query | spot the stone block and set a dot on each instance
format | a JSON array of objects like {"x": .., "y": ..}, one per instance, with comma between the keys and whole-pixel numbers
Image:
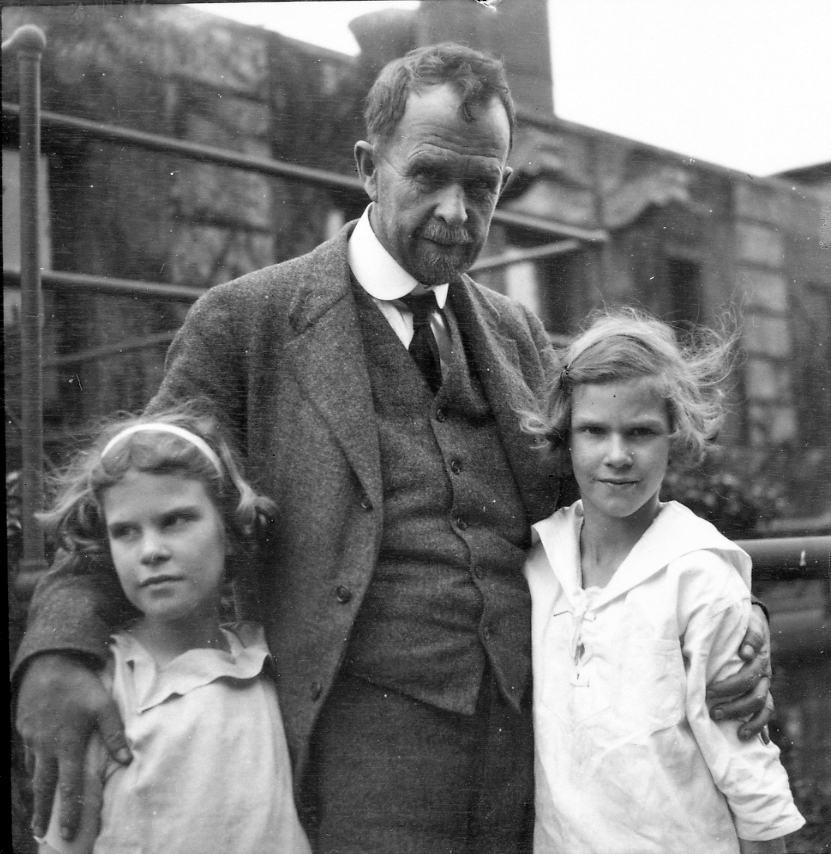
[
  {"x": 755, "y": 202},
  {"x": 204, "y": 192},
  {"x": 766, "y": 380},
  {"x": 771, "y": 424},
  {"x": 523, "y": 286},
  {"x": 759, "y": 244},
  {"x": 767, "y": 336},
  {"x": 764, "y": 290}
]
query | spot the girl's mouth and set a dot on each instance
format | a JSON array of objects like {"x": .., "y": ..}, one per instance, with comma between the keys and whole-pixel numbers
[{"x": 159, "y": 579}]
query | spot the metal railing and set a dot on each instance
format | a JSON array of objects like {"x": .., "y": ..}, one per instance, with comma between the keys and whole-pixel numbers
[
  {"x": 29, "y": 42},
  {"x": 779, "y": 559}
]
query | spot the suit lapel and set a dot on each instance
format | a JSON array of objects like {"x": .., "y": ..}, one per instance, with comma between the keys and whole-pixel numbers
[
  {"x": 497, "y": 362},
  {"x": 328, "y": 361}
]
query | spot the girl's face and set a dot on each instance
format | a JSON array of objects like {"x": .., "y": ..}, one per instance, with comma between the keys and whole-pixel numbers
[
  {"x": 620, "y": 448},
  {"x": 168, "y": 544}
]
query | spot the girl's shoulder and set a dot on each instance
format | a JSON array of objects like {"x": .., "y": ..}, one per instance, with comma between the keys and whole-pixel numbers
[
  {"x": 560, "y": 521},
  {"x": 696, "y": 548},
  {"x": 248, "y": 633}
]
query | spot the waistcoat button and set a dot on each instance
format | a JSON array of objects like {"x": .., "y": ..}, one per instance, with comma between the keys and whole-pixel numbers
[
  {"x": 365, "y": 502},
  {"x": 315, "y": 690},
  {"x": 343, "y": 594},
  {"x": 456, "y": 466}
]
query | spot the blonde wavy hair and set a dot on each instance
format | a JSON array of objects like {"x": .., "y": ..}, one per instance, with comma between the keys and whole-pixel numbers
[{"x": 627, "y": 343}]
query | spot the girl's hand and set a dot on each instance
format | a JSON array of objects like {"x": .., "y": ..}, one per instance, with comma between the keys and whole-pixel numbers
[
  {"x": 60, "y": 703},
  {"x": 746, "y": 694},
  {"x": 769, "y": 846}
]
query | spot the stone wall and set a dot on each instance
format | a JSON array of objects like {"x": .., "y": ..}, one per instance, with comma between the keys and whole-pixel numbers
[{"x": 122, "y": 211}]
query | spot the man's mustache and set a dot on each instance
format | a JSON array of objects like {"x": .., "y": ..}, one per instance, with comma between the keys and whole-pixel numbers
[{"x": 447, "y": 234}]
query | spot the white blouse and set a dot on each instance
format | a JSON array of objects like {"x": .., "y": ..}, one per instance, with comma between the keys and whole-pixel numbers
[{"x": 627, "y": 757}]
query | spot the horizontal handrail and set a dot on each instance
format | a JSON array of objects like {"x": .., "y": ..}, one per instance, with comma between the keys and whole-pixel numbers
[
  {"x": 789, "y": 558},
  {"x": 518, "y": 256},
  {"x": 170, "y": 145},
  {"x": 281, "y": 169},
  {"x": 61, "y": 280}
]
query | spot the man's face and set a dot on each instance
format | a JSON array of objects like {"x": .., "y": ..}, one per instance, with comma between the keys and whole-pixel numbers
[{"x": 436, "y": 181}]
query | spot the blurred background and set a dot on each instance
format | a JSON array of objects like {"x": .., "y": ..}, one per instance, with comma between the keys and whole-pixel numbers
[{"x": 673, "y": 156}]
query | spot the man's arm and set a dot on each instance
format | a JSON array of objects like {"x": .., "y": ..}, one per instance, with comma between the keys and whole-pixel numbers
[
  {"x": 90, "y": 825},
  {"x": 61, "y": 700},
  {"x": 61, "y": 704},
  {"x": 746, "y": 694}
]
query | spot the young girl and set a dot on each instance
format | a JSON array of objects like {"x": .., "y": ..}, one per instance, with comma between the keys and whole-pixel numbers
[
  {"x": 161, "y": 504},
  {"x": 636, "y": 606}
]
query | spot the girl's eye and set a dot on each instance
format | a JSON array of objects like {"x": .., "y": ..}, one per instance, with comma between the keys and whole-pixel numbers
[
  {"x": 640, "y": 432},
  {"x": 178, "y": 520},
  {"x": 123, "y": 533}
]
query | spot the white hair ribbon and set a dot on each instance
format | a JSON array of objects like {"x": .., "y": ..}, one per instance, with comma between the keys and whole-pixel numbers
[{"x": 162, "y": 427}]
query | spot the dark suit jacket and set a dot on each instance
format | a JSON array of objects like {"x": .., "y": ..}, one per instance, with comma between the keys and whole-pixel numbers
[{"x": 279, "y": 353}]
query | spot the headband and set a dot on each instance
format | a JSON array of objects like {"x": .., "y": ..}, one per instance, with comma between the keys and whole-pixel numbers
[{"x": 161, "y": 427}]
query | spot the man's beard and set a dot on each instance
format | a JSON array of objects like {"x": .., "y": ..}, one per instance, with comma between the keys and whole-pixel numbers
[{"x": 435, "y": 267}]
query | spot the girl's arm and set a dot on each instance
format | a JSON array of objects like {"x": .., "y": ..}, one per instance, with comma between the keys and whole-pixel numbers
[
  {"x": 92, "y": 799},
  {"x": 713, "y": 613}
]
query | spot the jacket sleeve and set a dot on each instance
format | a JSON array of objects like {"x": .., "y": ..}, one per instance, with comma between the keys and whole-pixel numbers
[
  {"x": 716, "y": 605},
  {"x": 205, "y": 362},
  {"x": 74, "y": 609}
]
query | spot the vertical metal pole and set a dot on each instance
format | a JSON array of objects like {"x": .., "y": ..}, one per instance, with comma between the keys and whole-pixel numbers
[{"x": 30, "y": 43}]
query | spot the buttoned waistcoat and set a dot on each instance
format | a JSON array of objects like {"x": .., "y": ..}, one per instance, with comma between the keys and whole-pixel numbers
[{"x": 279, "y": 354}]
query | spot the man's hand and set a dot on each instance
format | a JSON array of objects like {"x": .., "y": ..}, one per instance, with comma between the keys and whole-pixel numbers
[
  {"x": 747, "y": 693},
  {"x": 60, "y": 703}
]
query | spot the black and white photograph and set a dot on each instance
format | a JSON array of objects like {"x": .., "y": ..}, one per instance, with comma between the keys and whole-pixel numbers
[{"x": 417, "y": 426}]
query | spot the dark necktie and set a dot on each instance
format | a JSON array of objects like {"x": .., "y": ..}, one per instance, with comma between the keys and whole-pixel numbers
[{"x": 423, "y": 348}]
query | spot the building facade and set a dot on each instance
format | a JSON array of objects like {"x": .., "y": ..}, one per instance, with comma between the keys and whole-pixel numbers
[{"x": 629, "y": 223}]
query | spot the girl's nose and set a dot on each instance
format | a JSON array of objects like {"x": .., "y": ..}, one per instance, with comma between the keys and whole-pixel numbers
[
  {"x": 618, "y": 453},
  {"x": 451, "y": 207},
  {"x": 153, "y": 549}
]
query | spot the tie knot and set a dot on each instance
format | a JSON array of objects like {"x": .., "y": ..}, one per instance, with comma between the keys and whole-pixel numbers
[{"x": 421, "y": 305}]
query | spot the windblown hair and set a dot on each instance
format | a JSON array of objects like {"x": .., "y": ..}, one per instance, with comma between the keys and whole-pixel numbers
[
  {"x": 624, "y": 344},
  {"x": 476, "y": 76},
  {"x": 76, "y": 519}
]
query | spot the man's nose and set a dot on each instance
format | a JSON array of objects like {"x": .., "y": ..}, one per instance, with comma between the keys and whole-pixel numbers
[{"x": 452, "y": 207}]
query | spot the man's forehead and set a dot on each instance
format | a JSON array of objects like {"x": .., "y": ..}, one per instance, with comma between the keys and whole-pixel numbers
[
  {"x": 437, "y": 157},
  {"x": 445, "y": 98},
  {"x": 436, "y": 119}
]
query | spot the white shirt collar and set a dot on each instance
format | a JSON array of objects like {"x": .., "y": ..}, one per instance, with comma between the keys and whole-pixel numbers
[{"x": 377, "y": 272}]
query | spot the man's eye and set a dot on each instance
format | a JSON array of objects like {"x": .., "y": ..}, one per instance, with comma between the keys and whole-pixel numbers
[
  {"x": 427, "y": 178},
  {"x": 482, "y": 188}
]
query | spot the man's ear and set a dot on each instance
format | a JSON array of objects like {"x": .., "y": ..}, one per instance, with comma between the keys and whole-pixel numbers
[
  {"x": 506, "y": 176},
  {"x": 366, "y": 166}
]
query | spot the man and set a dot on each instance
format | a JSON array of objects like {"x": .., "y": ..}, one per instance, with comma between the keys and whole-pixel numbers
[{"x": 392, "y": 597}]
